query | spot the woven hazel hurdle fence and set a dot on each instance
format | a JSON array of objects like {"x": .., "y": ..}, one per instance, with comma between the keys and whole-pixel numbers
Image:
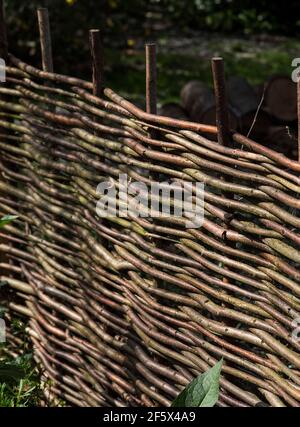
[{"x": 126, "y": 311}]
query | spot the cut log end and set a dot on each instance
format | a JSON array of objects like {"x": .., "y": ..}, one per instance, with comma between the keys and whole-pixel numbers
[
  {"x": 281, "y": 98},
  {"x": 174, "y": 110}
]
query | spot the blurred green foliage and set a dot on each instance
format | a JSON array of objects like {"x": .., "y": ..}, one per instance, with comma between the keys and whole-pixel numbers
[
  {"x": 120, "y": 19},
  {"x": 19, "y": 382}
]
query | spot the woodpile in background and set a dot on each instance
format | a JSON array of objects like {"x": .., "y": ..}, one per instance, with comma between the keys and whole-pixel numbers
[
  {"x": 266, "y": 113},
  {"x": 127, "y": 310}
]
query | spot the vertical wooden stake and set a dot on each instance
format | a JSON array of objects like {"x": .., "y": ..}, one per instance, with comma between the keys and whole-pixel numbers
[
  {"x": 3, "y": 46},
  {"x": 45, "y": 39},
  {"x": 98, "y": 62},
  {"x": 151, "y": 90},
  {"x": 4, "y": 257},
  {"x": 3, "y": 35},
  {"x": 222, "y": 117},
  {"x": 298, "y": 107}
]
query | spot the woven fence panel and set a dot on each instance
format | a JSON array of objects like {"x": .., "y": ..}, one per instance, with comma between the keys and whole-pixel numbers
[{"x": 125, "y": 311}]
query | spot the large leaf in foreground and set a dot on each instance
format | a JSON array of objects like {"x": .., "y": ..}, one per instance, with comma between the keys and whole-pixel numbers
[{"x": 203, "y": 391}]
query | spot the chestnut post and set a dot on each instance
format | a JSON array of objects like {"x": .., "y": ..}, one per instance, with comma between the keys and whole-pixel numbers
[
  {"x": 151, "y": 83},
  {"x": 151, "y": 90},
  {"x": 45, "y": 39},
  {"x": 298, "y": 112},
  {"x": 4, "y": 258},
  {"x": 222, "y": 120},
  {"x": 222, "y": 117},
  {"x": 3, "y": 47},
  {"x": 97, "y": 61}
]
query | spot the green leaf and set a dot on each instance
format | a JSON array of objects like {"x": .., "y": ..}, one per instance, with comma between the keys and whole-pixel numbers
[
  {"x": 3, "y": 283},
  {"x": 203, "y": 391},
  {"x": 194, "y": 391},
  {"x": 211, "y": 385},
  {"x": 21, "y": 360},
  {"x": 7, "y": 219}
]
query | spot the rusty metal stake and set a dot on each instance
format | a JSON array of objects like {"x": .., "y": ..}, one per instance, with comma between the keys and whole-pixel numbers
[
  {"x": 222, "y": 117},
  {"x": 97, "y": 58},
  {"x": 45, "y": 39},
  {"x": 151, "y": 91}
]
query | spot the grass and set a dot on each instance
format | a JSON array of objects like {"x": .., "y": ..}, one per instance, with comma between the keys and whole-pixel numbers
[
  {"x": 19, "y": 382},
  {"x": 19, "y": 379}
]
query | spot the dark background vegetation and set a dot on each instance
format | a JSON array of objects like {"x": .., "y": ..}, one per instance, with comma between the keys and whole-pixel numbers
[
  {"x": 256, "y": 38},
  {"x": 139, "y": 17}
]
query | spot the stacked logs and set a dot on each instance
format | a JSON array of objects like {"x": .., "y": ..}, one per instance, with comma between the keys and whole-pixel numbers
[
  {"x": 267, "y": 113},
  {"x": 125, "y": 311}
]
